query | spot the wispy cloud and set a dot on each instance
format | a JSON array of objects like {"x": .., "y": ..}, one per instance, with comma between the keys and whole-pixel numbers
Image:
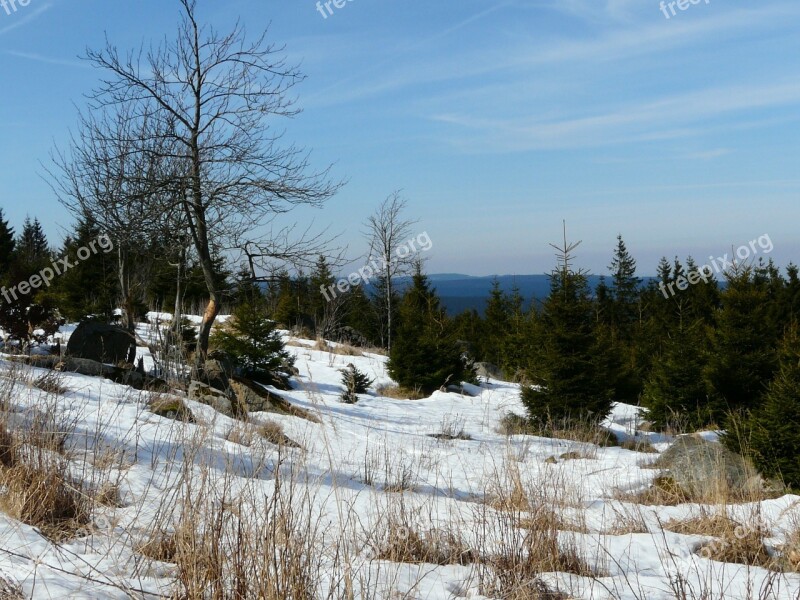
[
  {"x": 48, "y": 60},
  {"x": 21, "y": 19},
  {"x": 503, "y": 58},
  {"x": 667, "y": 118}
]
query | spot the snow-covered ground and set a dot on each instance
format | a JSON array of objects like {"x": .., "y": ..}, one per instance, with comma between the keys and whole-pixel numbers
[{"x": 363, "y": 467}]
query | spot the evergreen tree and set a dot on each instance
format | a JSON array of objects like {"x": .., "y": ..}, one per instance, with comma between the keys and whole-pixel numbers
[
  {"x": 743, "y": 356},
  {"x": 625, "y": 291},
  {"x": 519, "y": 345},
  {"x": 497, "y": 325},
  {"x": 677, "y": 393},
  {"x": 775, "y": 437},
  {"x": 90, "y": 287},
  {"x": 564, "y": 380},
  {"x": 360, "y": 314},
  {"x": 32, "y": 250},
  {"x": 425, "y": 353},
  {"x": 616, "y": 350},
  {"x": 7, "y": 245},
  {"x": 321, "y": 299},
  {"x": 254, "y": 343}
]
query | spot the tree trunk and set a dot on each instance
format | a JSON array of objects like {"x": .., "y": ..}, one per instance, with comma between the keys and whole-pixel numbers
[{"x": 204, "y": 332}]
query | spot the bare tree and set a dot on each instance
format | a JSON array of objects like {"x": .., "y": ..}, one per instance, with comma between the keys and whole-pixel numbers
[
  {"x": 109, "y": 176},
  {"x": 212, "y": 96},
  {"x": 386, "y": 232}
]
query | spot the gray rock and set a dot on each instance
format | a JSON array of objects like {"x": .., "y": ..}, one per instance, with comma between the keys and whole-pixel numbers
[
  {"x": 102, "y": 342},
  {"x": 488, "y": 370},
  {"x": 252, "y": 397},
  {"x": 704, "y": 469},
  {"x": 216, "y": 399},
  {"x": 216, "y": 374}
]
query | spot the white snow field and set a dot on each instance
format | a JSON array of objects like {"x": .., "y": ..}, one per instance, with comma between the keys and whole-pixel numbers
[{"x": 195, "y": 508}]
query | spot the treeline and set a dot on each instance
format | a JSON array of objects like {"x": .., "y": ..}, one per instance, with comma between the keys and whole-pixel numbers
[
  {"x": 709, "y": 355},
  {"x": 135, "y": 279}
]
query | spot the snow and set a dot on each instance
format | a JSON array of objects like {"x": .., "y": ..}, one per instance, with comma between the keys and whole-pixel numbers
[{"x": 347, "y": 461}]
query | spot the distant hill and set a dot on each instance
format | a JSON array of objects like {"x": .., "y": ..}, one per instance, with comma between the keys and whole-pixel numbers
[{"x": 464, "y": 292}]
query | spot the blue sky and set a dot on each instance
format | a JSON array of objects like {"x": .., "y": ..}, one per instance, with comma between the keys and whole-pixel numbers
[{"x": 496, "y": 119}]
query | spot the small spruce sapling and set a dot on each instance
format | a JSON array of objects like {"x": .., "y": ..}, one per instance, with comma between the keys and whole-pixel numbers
[{"x": 355, "y": 382}]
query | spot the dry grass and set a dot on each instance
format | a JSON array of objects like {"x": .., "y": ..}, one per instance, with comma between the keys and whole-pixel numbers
[
  {"x": 242, "y": 543},
  {"x": 453, "y": 428},
  {"x": 43, "y": 496},
  {"x": 162, "y": 547},
  {"x": 38, "y": 486},
  {"x": 514, "y": 424},
  {"x": 398, "y": 392},
  {"x": 736, "y": 542},
  {"x": 336, "y": 348},
  {"x": 638, "y": 445},
  {"x": 664, "y": 491},
  {"x": 170, "y": 407},
  {"x": 520, "y": 541},
  {"x": 274, "y": 434},
  {"x": 10, "y": 589},
  {"x": 403, "y": 540},
  {"x": 51, "y": 382}
]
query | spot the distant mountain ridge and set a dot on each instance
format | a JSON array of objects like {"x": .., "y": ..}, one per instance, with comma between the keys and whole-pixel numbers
[{"x": 466, "y": 292}]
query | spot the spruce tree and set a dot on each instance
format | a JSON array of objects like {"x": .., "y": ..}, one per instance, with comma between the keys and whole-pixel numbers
[
  {"x": 320, "y": 297},
  {"x": 565, "y": 379},
  {"x": 497, "y": 322},
  {"x": 7, "y": 244},
  {"x": 775, "y": 437},
  {"x": 677, "y": 393},
  {"x": 625, "y": 291},
  {"x": 90, "y": 287},
  {"x": 254, "y": 343},
  {"x": 520, "y": 341},
  {"x": 360, "y": 314},
  {"x": 425, "y": 353},
  {"x": 743, "y": 357},
  {"x": 32, "y": 250}
]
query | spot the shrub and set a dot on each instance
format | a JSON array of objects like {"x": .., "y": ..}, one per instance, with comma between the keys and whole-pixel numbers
[
  {"x": 774, "y": 436},
  {"x": 254, "y": 343},
  {"x": 355, "y": 382},
  {"x": 425, "y": 353}
]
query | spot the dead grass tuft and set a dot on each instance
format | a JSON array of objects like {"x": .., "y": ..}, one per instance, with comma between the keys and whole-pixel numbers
[
  {"x": 10, "y": 589},
  {"x": 43, "y": 496},
  {"x": 664, "y": 491},
  {"x": 337, "y": 348},
  {"x": 273, "y": 433},
  {"x": 397, "y": 392},
  {"x": 170, "y": 407},
  {"x": 51, "y": 382},
  {"x": 638, "y": 445}
]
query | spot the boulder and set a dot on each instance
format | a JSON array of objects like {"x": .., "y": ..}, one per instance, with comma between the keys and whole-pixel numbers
[
  {"x": 102, "y": 342},
  {"x": 216, "y": 399},
  {"x": 488, "y": 370},
  {"x": 218, "y": 370},
  {"x": 351, "y": 336},
  {"x": 704, "y": 469},
  {"x": 253, "y": 397}
]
